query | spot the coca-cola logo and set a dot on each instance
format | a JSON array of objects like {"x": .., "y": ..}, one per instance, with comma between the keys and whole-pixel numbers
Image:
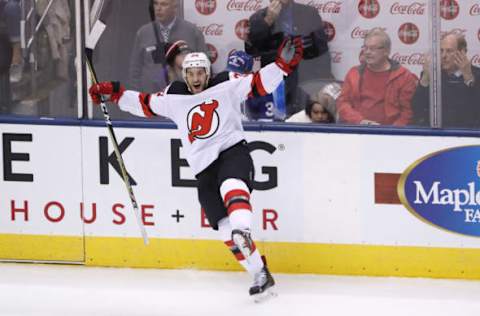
[
  {"x": 476, "y": 60},
  {"x": 358, "y": 33},
  {"x": 329, "y": 29},
  {"x": 369, "y": 8},
  {"x": 413, "y": 59},
  {"x": 336, "y": 57},
  {"x": 242, "y": 28},
  {"x": 213, "y": 29},
  {"x": 408, "y": 33},
  {"x": 449, "y": 9},
  {"x": 244, "y": 5},
  {"x": 329, "y": 7},
  {"x": 456, "y": 31},
  {"x": 475, "y": 9},
  {"x": 206, "y": 7},
  {"x": 212, "y": 53},
  {"x": 415, "y": 8}
]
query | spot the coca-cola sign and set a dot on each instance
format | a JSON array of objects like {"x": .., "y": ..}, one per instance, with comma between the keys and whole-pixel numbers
[
  {"x": 408, "y": 33},
  {"x": 329, "y": 29},
  {"x": 336, "y": 57},
  {"x": 212, "y": 53},
  {"x": 359, "y": 33},
  {"x": 475, "y": 9},
  {"x": 244, "y": 5},
  {"x": 205, "y": 7},
  {"x": 329, "y": 7},
  {"x": 476, "y": 60},
  {"x": 413, "y": 59},
  {"x": 415, "y": 8},
  {"x": 457, "y": 31},
  {"x": 369, "y": 8},
  {"x": 242, "y": 28},
  {"x": 449, "y": 9},
  {"x": 213, "y": 29}
]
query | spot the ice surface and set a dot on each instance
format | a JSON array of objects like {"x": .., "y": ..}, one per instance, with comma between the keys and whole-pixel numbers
[{"x": 49, "y": 289}]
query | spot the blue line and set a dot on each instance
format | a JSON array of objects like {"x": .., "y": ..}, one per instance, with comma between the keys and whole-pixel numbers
[{"x": 251, "y": 126}]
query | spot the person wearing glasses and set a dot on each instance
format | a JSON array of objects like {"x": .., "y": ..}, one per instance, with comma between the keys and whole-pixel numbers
[
  {"x": 379, "y": 90},
  {"x": 460, "y": 86}
]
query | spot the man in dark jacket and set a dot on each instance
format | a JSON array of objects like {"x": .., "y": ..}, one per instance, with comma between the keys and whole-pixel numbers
[
  {"x": 282, "y": 18},
  {"x": 460, "y": 87}
]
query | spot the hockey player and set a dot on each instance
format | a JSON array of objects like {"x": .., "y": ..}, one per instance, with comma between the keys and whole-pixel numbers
[{"x": 208, "y": 116}]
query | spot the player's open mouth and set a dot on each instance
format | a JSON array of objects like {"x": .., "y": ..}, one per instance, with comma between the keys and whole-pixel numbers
[{"x": 197, "y": 85}]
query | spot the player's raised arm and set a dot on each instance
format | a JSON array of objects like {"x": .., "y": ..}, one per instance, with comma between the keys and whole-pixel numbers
[
  {"x": 266, "y": 80},
  {"x": 136, "y": 103}
]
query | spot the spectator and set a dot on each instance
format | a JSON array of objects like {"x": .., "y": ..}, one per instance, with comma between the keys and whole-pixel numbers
[
  {"x": 282, "y": 18},
  {"x": 320, "y": 110},
  {"x": 174, "y": 55},
  {"x": 378, "y": 91},
  {"x": 460, "y": 87},
  {"x": 10, "y": 51},
  {"x": 147, "y": 61}
]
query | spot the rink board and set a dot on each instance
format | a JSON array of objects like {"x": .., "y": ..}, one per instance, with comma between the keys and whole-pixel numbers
[{"x": 319, "y": 206}]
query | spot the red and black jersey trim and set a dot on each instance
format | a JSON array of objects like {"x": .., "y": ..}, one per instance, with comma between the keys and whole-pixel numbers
[
  {"x": 258, "y": 90},
  {"x": 234, "y": 249},
  {"x": 145, "y": 102}
]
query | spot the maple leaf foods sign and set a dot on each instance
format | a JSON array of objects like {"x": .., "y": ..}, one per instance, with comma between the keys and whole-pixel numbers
[{"x": 443, "y": 189}]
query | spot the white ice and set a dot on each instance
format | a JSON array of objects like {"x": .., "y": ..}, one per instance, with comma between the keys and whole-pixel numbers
[{"x": 51, "y": 290}]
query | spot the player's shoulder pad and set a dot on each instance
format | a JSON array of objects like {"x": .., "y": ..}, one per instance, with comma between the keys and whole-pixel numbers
[{"x": 177, "y": 87}]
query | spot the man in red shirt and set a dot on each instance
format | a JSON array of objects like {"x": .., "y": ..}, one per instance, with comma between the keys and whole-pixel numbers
[{"x": 379, "y": 91}]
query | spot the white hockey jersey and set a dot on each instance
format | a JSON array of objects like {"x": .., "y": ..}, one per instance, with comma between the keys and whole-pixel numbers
[{"x": 209, "y": 122}]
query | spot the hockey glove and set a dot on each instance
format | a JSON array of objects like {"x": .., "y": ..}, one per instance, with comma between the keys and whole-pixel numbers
[
  {"x": 110, "y": 90},
  {"x": 289, "y": 54}
]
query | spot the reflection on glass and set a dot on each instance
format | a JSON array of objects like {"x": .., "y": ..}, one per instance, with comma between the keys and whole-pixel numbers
[{"x": 42, "y": 76}]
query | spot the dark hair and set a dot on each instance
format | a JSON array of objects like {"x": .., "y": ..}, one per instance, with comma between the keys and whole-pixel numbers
[
  {"x": 309, "y": 107},
  {"x": 151, "y": 11}
]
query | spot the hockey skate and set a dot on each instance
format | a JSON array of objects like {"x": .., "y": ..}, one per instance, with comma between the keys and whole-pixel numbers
[
  {"x": 263, "y": 282},
  {"x": 244, "y": 242}
]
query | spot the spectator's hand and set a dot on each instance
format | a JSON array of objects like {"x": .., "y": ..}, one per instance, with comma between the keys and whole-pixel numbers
[
  {"x": 110, "y": 91},
  {"x": 462, "y": 62},
  {"x": 425, "y": 79},
  {"x": 273, "y": 11},
  {"x": 289, "y": 54},
  {"x": 369, "y": 122}
]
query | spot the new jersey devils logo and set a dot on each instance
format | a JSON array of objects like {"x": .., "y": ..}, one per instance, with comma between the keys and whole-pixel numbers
[{"x": 202, "y": 120}]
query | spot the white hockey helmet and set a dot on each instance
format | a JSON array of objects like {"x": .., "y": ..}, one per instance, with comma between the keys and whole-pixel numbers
[{"x": 197, "y": 59}]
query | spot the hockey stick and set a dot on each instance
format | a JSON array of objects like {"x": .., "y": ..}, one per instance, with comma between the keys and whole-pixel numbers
[{"x": 95, "y": 34}]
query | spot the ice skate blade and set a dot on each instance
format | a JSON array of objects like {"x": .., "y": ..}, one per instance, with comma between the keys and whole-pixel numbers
[{"x": 264, "y": 296}]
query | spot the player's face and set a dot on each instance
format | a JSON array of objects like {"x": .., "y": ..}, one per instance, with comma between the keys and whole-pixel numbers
[
  {"x": 196, "y": 79},
  {"x": 164, "y": 10}
]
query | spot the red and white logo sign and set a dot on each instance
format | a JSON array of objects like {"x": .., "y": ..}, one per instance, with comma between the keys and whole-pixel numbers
[
  {"x": 449, "y": 9},
  {"x": 408, "y": 33},
  {"x": 358, "y": 33},
  {"x": 475, "y": 9},
  {"x": 203, "y": 120},
  {"x": 476, "y": 60},
  {"x": 212, "y": 53},
  {"x": 414, "y": 59},
  {"x": 369, "y": 8},
  {"x": 206, "y": 7},
  {"x": 336, "y": 57},
  {"x": 329, "y": 7},
  {"x": 329, "y": 29},
  {"x": 415, "y": 8},
  {"x": 242, "y": 28},
  {"x": 213, "y": 29},
  {"x": 244, "y": 5}
]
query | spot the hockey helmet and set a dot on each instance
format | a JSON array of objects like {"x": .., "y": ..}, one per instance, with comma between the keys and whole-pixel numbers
[{"x": 197, "y": 59}]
